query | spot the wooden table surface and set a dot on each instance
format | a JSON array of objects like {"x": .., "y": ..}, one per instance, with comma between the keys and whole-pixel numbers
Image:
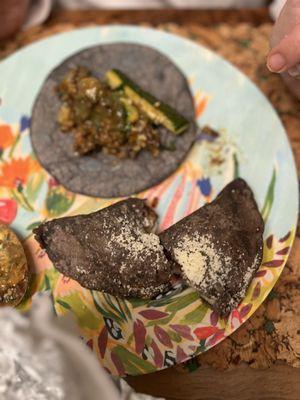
[
  {"x": 262, "y": 359},
  {"x": 156, "y": 17}
]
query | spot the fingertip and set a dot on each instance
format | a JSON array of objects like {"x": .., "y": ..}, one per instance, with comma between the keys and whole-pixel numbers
[{"x": 276, "y": 62}]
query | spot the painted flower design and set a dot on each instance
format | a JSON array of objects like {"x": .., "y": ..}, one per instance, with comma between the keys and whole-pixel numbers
[
  {"x": 113, "y": 328},
  {"x": 6, "y": 137},
  {"x": 204, "y": 186},
  {"x": 8, "y": 210},
  {"x": 58, "y": 200},
  {"x": 170, "y": 359},
  {"x": 24, "y": 123},
  {"x": 201, "y": 100},
  {"x": 14, "y": 175}
]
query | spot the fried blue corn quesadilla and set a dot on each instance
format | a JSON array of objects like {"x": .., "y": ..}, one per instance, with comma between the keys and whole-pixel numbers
[
  {"x": 112, "y": 250},
  {"x": 216, "y": 250},
  {"x": 220, "y": 246}
]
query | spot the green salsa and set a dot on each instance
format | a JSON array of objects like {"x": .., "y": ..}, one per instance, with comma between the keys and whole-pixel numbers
[{"x": 102, "y": 119}]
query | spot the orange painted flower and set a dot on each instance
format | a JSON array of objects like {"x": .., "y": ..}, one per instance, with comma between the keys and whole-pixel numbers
[
  {"x": 17, "y": 171},
  {"x": 201, "y": 101},
  {"x": 201, "y": 105},
  {"x": 6, "y": 136}
]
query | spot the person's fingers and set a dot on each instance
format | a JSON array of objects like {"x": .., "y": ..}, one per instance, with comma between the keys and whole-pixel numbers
[
  {"x": 292, "y": 83},
  {"x": 294, "y": 72},
  {"x": 287, "y": 53},
  {"x": 287, "y": 20},
  {"x": 12, "y": 15}
]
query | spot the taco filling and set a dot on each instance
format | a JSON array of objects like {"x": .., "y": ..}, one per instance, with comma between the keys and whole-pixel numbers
[{"x": 109, "y": 118}]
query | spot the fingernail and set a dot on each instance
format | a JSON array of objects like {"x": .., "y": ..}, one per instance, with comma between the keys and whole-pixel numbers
[{"x": 276, "y": 63}]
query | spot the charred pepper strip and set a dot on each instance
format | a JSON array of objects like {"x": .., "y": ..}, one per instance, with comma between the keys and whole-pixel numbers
[{"x": 157, "y": 111}]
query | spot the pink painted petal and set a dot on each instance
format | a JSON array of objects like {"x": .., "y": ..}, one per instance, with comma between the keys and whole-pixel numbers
[
  {"x": 183, "y": 330},
  {"x": 139, "y": 332},
  {"x": 180, "y": 355},
  {"x": 214, "y": 317},
  {"x": 102, "y": 341},
  {"x": 285, "y": 238},
  {"x": 261, "y": 273},
  {"x": 256, "y": 291},
  {"x": 283, "y": 252},
  {"x": 169, "y": 216},
  {"x": 273, "y": 263},
  {"x": 162, "y": 336},
  {"x": 245, "y": 310},
  {"x": 269, "y": 241},
  {"x": 158, "y": 357},
  {"x": 153, "y": 314}
]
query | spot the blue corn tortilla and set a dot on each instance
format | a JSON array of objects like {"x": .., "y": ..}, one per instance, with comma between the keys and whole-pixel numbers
[{"x": 99, "y": 174}]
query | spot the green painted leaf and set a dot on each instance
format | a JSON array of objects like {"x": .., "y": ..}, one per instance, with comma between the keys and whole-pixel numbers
[
  {"x": 33, "y": 225},
  {"x": 201, "y": 347},
  {"x": 236, "y": 166},
  {"x": 138, "y": 302},
  {"x": 58, "y": 202},
  {"x": 194, "y": 316},
  {"x": 165, "y": 300},
  {"x": 53, "y": 276},
  {"x": 121, "y": 308},
  {"x": 183, "y": 301},
  {"x": 86, "y": 318},
  {"x": 148, "y": 340},
  {"x": 47, "y": 285},
  {"x": 126, "y": 308},
  {"x": 13, "y": 147},
  {"x": 130, "y": 339},
  {"x": 106, "y": 313},
  {"x": 49, "y": 280},
  {"x": 110, "y": 300},
  {"x": 33, "y": 186},
  {"x": 133, "y": 365},
  {"x": 64, "y": 304},
  {"x": 269, "y": 197},
  {"x": 174, "y": 336},
  {"x": 20, "y": 198},
  {"x": 160, "y": 302}
]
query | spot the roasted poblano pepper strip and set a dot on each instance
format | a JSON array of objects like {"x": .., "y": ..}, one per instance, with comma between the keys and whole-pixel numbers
[{"x": 157, "y": 111}]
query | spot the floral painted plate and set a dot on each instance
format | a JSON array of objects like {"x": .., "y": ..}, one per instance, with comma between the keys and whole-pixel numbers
[{"x": 136, "y": 337}]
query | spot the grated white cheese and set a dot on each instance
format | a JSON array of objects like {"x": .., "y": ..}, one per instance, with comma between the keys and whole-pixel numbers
[
  {"x": 135, "y": 243},
  {"x": 195, "y": 255}
]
